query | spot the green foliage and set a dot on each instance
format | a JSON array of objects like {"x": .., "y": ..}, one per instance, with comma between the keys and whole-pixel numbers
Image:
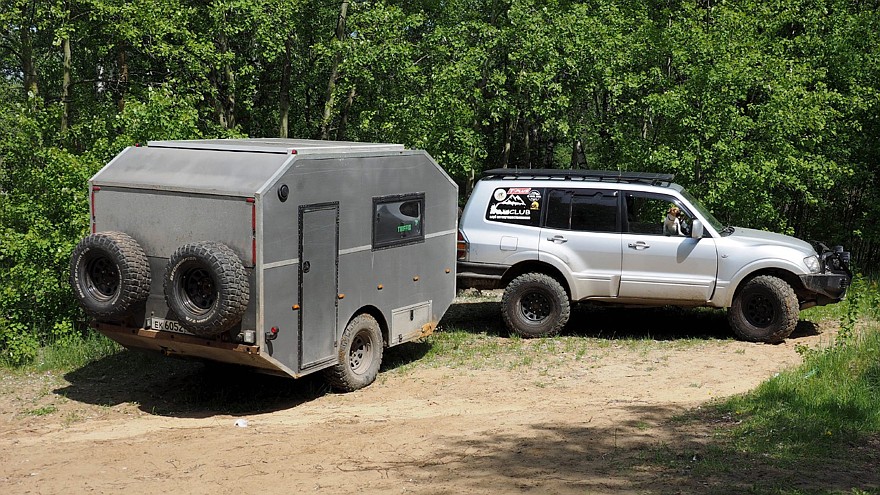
[
  {"x": 769, "y": 111},
  {"x": 44, "y": 213}
]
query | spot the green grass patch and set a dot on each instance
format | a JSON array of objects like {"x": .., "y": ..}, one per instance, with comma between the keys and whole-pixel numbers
[
  {"x": 812, "y": 429},
  {"x": 68, "y": 354},
  {"x": 43, "y": 411},
  {"x": 832, "y": 399}
]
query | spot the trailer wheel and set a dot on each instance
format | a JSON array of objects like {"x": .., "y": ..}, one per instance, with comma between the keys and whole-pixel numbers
[
  {"x": 206, "y": 287},
  {"x": 535, "y": 305},
  {"x": 360, "y": 355},
  {"x": 109, "y": 273},
  {"x": 765, "y": 310}
]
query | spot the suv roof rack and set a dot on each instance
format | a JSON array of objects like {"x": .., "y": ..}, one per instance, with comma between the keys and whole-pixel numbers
[{"x": 576, "y": 174}]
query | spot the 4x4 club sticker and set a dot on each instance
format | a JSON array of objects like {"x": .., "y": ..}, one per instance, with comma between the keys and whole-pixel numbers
[{"x": 515, "y": 203}]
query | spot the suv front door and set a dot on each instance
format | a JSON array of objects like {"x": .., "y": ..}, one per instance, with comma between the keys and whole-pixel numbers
[
  {"x": 581, "y": 230},
  {"x": 659, "y": 266}
]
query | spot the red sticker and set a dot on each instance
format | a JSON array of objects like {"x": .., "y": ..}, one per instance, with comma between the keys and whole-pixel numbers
[{"x": 519, "y": 190}]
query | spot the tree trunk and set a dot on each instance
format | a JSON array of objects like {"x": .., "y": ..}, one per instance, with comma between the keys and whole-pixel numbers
[
  {"x": 334, "y": 72},
  {"x": 122, "y": 82},
  {"x": 230, "y": 95},
  {"x": 509, "y": 128},
  {"x": 65, "y": 86},
  {"x": 343, "y": 120},
  {"x": 577, "y": 154},
  {"x": 225, "y": 86},
  {"x": 28, "y": 65},
  {"x": 284, "y": 93}
]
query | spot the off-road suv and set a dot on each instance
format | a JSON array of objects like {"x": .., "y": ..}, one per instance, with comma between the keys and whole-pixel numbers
[{"x": 550, "y": 237}]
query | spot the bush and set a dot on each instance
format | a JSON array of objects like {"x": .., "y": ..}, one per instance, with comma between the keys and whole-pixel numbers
[{"x": 44, "y": 210}]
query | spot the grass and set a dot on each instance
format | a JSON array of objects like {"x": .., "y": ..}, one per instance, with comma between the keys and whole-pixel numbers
[
  {"x": 69, "y": 354},
  {"x": 832, "y": 399}
]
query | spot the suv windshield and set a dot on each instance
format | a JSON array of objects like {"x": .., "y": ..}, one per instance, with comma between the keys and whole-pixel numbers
[{"x": 703, "y": 211}]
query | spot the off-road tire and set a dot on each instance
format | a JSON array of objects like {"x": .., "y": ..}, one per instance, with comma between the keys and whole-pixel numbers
[
  {"x": 764, "y": 310},
  {"x": 360, "y": 355},
  {"x": 109, "y": 274},
  {"x": 535, "y": 305},
  {"x": 206, "y": 287}
]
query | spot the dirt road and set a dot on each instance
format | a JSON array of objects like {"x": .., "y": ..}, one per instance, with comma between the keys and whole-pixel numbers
[{"x": 576, "y": 423}]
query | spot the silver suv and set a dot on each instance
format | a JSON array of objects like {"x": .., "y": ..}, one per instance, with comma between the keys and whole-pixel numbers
[{"x": 549, "y": 237}]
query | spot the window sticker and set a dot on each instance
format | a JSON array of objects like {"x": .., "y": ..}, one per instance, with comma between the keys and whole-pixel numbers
[{"x": 521, "y": 205}]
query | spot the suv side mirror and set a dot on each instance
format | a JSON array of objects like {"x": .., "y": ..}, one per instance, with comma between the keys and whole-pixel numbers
[{"x": 697, "y": 229}]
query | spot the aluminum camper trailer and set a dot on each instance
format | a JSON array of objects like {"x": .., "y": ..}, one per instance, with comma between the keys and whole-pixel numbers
[{"x": 290, "y": 256}]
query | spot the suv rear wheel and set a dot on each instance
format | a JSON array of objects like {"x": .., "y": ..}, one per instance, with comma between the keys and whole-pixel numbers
[{"x": 535, "y": 305}]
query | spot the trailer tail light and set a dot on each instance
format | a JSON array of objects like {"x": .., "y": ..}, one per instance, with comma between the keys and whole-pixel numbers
[
  {"x": 462, "y": 246},
  {"x": 253, "y": 203},
  {"x": 94, "y": 223},
  {"x": 272, "y": 334}
]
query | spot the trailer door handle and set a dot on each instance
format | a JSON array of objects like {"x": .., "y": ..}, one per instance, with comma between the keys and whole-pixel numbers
[
  {"x": 306, "y": 266},
  {"x": 557, "y": 238},
  {"x": 639, "y": 246}
]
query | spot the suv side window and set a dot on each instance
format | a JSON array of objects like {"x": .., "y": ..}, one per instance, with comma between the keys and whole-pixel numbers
[
  {"x": 646, "y": 213},
  {"x": 587, "y": 210}
]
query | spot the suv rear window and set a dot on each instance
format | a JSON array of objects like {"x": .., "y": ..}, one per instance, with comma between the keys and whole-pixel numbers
[
  {"x": 516, "y": 205},
  {"x": 588, "y": 210}
]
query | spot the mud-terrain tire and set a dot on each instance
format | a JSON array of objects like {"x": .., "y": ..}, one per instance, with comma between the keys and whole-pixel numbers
[
  {"x": 765, "y": 310},
  {"x": 535, "y": 305},
  {"x": 360, "y": 355},
  {"x": 206, "y": 287},
  {"x": 109, "y": 274}
]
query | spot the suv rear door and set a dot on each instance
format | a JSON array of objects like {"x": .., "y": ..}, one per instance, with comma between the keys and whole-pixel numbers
[
  {"x": 581, "y": 230},
  {"x": 660, "y": 267}
]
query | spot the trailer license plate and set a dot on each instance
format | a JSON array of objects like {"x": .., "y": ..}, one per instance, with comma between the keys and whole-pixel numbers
[{"x": 165, "y": 325}]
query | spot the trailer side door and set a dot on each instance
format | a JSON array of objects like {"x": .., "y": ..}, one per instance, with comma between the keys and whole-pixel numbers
[{"x": 318, "y": 280}]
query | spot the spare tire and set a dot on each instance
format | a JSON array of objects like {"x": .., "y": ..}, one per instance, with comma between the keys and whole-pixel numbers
[
  {"x": 109, "y": 273},
  {"x": 206, "y": 287}
]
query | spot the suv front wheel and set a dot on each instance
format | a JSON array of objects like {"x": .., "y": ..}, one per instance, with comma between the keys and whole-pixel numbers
[
  {"x": 765, "y": 310},
  {"x": 535, "y": 305}
]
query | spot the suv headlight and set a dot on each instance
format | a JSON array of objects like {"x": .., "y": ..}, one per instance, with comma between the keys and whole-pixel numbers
[{"x": 812, "y": 263}]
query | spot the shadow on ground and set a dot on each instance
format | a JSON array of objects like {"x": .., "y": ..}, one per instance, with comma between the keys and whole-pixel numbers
[
  {"x": 181, "y": 388},
  {"x": 613, "y": 323},
  {"x": 652, "y": 454}
]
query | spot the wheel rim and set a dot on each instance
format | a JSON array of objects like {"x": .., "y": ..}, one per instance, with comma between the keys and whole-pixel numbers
[
  {"x": 360, "y": 355},
  {"x": 759, "y": 310},
  {"x": 103, "y": 277},
  {"x": 535, "y": 306},
  {"x": 199, "y": 290}
]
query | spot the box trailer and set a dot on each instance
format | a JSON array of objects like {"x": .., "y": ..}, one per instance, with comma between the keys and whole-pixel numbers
[{"x": 289, "y": 256}]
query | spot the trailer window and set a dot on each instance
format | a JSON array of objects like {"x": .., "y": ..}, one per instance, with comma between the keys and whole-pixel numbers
[{"x": 398, "y": 220}]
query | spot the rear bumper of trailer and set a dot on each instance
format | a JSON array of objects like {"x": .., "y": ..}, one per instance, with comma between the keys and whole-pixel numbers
[{"x": 188, "y": 346}]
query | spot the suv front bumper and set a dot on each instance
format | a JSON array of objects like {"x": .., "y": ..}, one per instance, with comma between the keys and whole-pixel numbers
[{"x": 828, "y": 287}]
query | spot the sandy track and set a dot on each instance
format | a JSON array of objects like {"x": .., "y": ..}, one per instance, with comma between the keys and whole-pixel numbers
[{"x": 574, "y": 426}]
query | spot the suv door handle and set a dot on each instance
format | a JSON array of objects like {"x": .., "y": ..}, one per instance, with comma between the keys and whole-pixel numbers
[
  {"x": 639, "y": 245},
  {"x": 557, "y": 238}
]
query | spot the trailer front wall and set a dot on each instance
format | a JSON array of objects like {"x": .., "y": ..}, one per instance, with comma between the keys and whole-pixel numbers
[{"x": 416, "y": 279}]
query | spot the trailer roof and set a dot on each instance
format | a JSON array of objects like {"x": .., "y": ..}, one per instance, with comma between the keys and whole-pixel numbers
[
  {"x": 226, "y": 167},
  {"x": 276, "y": 145}
]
